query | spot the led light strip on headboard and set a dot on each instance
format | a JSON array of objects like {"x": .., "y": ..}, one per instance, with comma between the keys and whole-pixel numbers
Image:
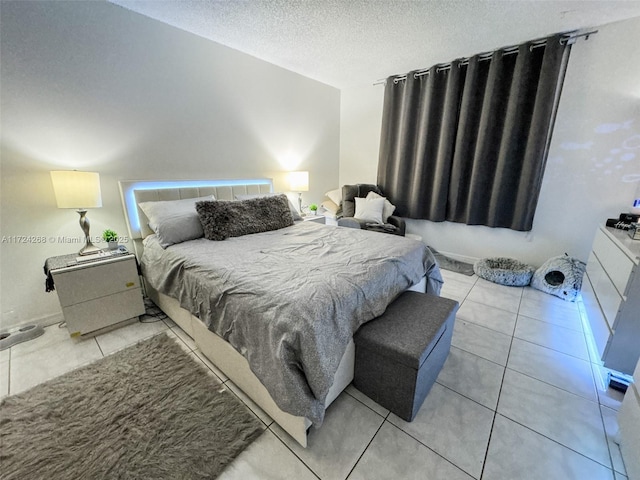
[{"x": 128, "y": 189}]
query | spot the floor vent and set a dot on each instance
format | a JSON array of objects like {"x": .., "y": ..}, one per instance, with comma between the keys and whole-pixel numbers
[{"x": 22, "y": 334}]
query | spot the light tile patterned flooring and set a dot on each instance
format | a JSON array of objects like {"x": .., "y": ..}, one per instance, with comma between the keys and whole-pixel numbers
[{"x": 521, "y": 396}]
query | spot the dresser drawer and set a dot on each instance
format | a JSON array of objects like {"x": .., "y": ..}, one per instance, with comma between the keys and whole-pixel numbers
[
  {"x": 599, "y": 326},
  {"x": 87, "y": 317},
  {"x": 608, "y": 296},
  {"x": 81, "y": 283},
  {"x": 614, "y": 261}
]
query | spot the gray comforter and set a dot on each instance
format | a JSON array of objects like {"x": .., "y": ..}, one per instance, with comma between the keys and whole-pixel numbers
[{"x": 290, "y": 300}]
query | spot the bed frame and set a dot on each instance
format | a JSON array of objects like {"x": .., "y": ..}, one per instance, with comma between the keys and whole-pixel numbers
[{"x": 217, "y": 350}]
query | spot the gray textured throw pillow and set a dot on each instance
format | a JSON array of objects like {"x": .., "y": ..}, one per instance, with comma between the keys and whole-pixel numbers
[
  {"x": 223, "y": 219},
  {"x": 294, "y": 212}
]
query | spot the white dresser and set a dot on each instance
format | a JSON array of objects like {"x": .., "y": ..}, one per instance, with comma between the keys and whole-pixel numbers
[
  {"x": 98, "y": 293},
  {"x": 629, "y": 422},
  {"x": 611, "y": 296}
]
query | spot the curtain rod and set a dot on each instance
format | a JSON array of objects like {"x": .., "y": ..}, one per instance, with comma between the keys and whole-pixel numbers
[{"x": 568, "y": 38}]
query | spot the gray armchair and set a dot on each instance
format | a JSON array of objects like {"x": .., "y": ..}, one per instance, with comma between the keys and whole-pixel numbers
[{"x": 394, "y": 225}]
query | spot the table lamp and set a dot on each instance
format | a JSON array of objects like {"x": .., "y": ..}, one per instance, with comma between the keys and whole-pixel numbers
[
  {"x": 299, "y": 182},
  {"x": 79, "y": 190}
]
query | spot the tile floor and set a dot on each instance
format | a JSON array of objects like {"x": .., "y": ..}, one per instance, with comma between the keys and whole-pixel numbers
[{"x": 521, "y": 396}]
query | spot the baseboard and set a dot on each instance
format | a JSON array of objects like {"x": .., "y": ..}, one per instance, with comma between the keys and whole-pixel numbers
[
  {"x": 461, "y": 258},
  {"x": 44, "y": 321}
]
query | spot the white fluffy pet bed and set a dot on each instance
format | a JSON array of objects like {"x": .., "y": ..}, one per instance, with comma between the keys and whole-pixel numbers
[
  {"x": 560, "y": 276},
  {"x": 505, "y": 271}
]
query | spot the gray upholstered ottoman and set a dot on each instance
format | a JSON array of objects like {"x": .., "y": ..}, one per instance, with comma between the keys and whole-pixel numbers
[{"x": 400, "y": 353}]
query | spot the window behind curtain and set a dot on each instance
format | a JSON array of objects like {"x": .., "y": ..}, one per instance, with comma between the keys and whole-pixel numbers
[{"x": 468, "y": 143}]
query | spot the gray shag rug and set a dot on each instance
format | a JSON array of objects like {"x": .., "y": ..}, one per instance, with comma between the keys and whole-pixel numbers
[
  {"x": 504, "y": 271},
  {"x": 146, "y": 412},
  {"x": 451, "y": 264}
]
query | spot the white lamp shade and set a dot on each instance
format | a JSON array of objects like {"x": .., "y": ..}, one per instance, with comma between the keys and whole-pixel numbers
[
  {"x": 76, "y": 189},
  {"x": 299, "y": 181}
]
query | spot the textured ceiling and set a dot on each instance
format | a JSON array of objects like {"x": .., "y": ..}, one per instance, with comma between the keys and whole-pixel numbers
[{"x": 346, "y": 43}]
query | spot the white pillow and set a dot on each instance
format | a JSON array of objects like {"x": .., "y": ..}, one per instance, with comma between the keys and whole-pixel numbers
[
  {"x": 335, "y": 196},
  {"x": 330, "y": 206},
  {"x": 369, "y": 209},
  {"x": 388, "y": 209},
  {"x": 174, "y": 221}
]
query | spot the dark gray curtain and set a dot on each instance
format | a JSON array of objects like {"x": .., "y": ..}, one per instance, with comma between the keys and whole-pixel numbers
[{"x": 469, "y": 143}]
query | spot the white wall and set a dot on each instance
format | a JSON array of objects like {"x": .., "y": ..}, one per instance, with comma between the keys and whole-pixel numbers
[
  {"x": 594, "y": 155},
  {"x": 92, "y": 86}
]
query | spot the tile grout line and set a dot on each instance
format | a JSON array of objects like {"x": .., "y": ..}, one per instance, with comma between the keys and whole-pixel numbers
[
  {"x": 479, "y": 356},
  {"x": 99, "y": 347},
  {"x": 581, "y": 330},
  {"x": 563, "y": 389},
  {"x": 384, "y": 417},
  {"x": 550, "y": 348},
  {"x": 558, "y": 443},
  {"x": 465, "y": 396},
  {"x": 552, "y": 439},
  {"x": 611, "y": 468},
  {"x": 554, "y": 386},
  {"x": 292, "y": 452},
  {"x": 606, "y": 437},
  {"x": 521, "y": 373},
  {"x": 429, "y": 448},
  {"x": 495, "y": 412},
  {"x": 365, "y": 449}
]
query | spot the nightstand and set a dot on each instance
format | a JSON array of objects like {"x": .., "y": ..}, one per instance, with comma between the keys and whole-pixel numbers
[
  {"x": 314, "y": 219},
  {"x": 97, "y": 293}
]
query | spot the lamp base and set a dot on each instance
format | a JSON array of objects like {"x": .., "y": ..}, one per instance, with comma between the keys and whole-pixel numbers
[{"x": 90, "y": 249}]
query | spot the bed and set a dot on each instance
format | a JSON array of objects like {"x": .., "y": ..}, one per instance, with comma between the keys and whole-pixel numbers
[{"x": 275, "y": 311}]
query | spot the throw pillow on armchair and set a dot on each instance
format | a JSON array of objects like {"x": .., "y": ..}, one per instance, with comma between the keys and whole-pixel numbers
[{"x": 392, "y": 224}]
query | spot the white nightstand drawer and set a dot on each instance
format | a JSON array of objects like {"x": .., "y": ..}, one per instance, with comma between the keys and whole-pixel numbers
[
  {"x": 615, "y": 262},
  {"x": 599, "y": 326},
  {"x": 86, "y": 317},
  {"x": 84, "y": 282},
  {"x": 608, "y": 295}
]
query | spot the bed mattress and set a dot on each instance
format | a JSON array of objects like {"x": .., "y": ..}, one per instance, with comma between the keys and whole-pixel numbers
[{"x": 290, "y": 300}]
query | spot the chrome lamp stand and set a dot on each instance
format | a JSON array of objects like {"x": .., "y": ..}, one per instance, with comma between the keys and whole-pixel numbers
[{"x": 89, "y": 248}]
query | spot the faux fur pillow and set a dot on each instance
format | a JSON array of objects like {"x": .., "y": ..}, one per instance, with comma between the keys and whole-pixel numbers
[
  {"x": 294, "y": 213},
  {"x": 223, "y": 219}
]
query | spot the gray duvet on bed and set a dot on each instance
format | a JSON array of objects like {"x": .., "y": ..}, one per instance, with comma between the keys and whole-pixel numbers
[{"x": 290, "y": 300}]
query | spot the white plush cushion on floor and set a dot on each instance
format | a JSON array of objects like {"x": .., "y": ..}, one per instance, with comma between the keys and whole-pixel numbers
[
  {"x": 504, "y": 271},
  {"x": 560, "y": 276}
]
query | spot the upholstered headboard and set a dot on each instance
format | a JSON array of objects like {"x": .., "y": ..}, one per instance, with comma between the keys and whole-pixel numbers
[{"x": 134, "y": 192}]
